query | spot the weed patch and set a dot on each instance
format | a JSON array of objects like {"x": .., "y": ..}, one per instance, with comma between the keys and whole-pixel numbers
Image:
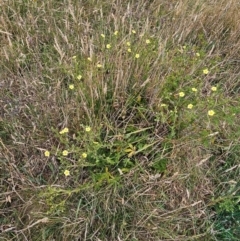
[{"x": 119, "y": 121}]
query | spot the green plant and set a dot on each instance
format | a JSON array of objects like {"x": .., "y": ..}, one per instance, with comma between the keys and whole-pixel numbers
[{"x": 115, "y": 128}]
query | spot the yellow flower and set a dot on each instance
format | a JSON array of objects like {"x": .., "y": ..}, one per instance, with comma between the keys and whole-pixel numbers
[
  {"x": 163, "y": 105},
  {"x": 133, "y": 31},
  {"x": 71, "y": 87},
  {"x": 99, "y": 65},
  {"x": 116, "y": 33},
  {"x": 181, "y": 94},
  {"x": 89, "y": 59},
  {"x": 137, "y": 56},
  {"x": 211, "y": 112},
  {"x": 214, "y": 88},
  {"x": 102, "y": 35},
  {"x": 129, "y": 50},
  {"x": 88, "y": 128},
  {"x": 148, "y": 41},
  {"x": 190, "y": 106},
  {"x": 79, "y": 77},
  {"x": 108, "y": 46},
  {"x": 205, "y": 71},
  {"x": 67, "y": 173},
  {"x": 74, "y": 57},
  {"x": 184, "y": 47},
  {"x": 194, "y": 89},
  {"x": 197, "y": 54},
  {"x": 84, "y": 155},
  {"x": 65, "y": 153},
  {"x": 47, "y": 153},
  {"x": 128, "y": 43},
  {"x": 65, "y": 130}
]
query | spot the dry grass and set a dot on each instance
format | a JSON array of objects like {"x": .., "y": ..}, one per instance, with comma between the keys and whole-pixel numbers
[{"x": 179, "y": 201}]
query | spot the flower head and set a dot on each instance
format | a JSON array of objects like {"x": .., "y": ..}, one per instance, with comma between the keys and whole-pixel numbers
[
  {"x": 89, "y": 59},
  {"x": 148, "y": 41},
  {"x": 129, "y": 50},
  {"x": 133, "y": 31},
  {"x": 71, "y": 87},
  {"x": 99, "y": 66},
  {"x": 190, "y": 106},
  {"x": 65, "y": 130},
  {"x": 128, "y": 43},
  {"x": 47, "y": 153},
  {"x": 194, "y": 89},
  {"x": 137, "y": 56},
  {"x": 181, "y": 94},
  {"x": 84, "y": 155},
  {"x": 87, "y": 128},
  {"x": 197, "y": 54},
  {"x": 108, "y": 46},
  {"x": 65, "y": 153},
  {"x": 79, "y": 77},
  {"x": 103, "y": 35},
  {"x": 205, "y": 71},
  {"x": 214, "y": 88},
  {"x": 116, "y": 33},
  {"x": 211, "y": 112},
  {"x": 67, "y": 173}
]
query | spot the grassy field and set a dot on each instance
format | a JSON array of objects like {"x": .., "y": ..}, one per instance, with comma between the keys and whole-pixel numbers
[{"x": 119, "y": 120}]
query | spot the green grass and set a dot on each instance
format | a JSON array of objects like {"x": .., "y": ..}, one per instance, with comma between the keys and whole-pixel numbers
[{"x": 119, "y": 121}]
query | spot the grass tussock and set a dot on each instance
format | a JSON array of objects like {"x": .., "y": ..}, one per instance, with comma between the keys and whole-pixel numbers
[{"x": 119, "y": 120}]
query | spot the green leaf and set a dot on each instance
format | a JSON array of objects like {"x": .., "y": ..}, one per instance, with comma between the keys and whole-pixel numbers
[{"x": 160, "y": 165}]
